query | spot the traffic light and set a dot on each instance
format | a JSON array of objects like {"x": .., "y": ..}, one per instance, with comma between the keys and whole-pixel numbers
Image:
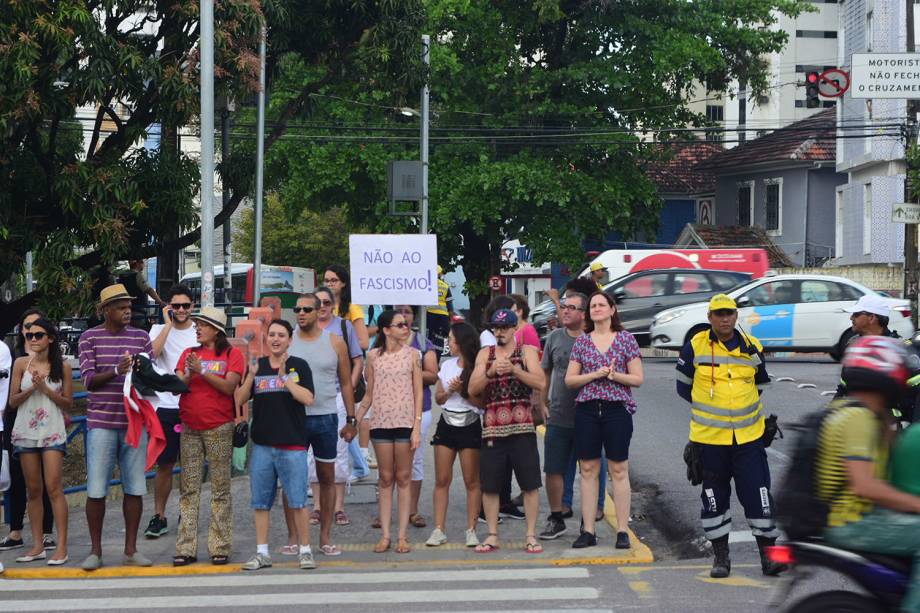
[{"x": 812, "y": 99}]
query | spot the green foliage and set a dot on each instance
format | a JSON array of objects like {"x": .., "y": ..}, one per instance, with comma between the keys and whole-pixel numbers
[{"x": 304, "y": 238}]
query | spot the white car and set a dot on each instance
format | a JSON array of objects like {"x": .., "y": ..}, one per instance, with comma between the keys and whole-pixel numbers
[{"x": 786, "y": 313}]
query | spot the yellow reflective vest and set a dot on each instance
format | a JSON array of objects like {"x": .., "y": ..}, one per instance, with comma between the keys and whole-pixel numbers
[
  {"x": 441, "y": 309},
  {"x": 725, "y": 402}
]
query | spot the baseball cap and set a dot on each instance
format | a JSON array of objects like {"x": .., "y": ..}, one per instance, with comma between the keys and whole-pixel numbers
[
  {"x": 870, "y": 304},
  {"x": 504, "y": 318},
  {"x": 721, "y": 302},
  {"x": 595, "y": 266}
]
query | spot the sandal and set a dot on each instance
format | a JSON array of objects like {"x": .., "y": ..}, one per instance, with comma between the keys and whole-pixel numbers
[
  {"x": 330, "y": 550},
  {"x": 382, "y": 545},
  {"x": 219, "y": 560},
  {"x": 402, "y": 546},
  {"x": 487, "y": 547},
  {"x": 341, "y": 519},
  {"x": 376, "y": 523},
  {"x": 532, "y": 545},
  {"x": 314, "y": 518},
  {"x": 184, "y": 560},
  {"x": 417, "y": 520},
  {"x": 289, "y": 550}
]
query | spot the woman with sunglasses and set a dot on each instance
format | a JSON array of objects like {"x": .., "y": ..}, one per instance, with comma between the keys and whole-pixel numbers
[
  {"x": 429, "y": 378},
  {"x": 42, "y": 391},
  {"x": 17, "y": 491},
  {"x": 604, "y": 366},
  {"x": 394, "y": 389}
]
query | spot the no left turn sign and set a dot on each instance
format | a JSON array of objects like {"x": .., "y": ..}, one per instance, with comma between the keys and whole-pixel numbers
[{"x": 833, "y": 82}]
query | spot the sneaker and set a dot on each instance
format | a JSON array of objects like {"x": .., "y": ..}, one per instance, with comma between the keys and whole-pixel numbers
[
  {"x": 471, "y": 539},
  {"x": 1, "y": 568},
  {"x": 585, "y": 540},
  {"x": 136, "y": 559},
  {"x": 92, "y": 562},
  {"x": 306, "y": 561},
  {"x": 48, "y": 542},
  {"x": 511, "y": 511},
  {"x": 437, "y": 538},
  {"x": 482, "y": 518},
  {"x": 256, "y": 562},
  {"x": 568, "y": 514},
  {"x": 156, "y": 528},
  {"x": 553, "y": 530},
  {"x": 10, "y": 543},
  {"x": 622, "y": 540}
]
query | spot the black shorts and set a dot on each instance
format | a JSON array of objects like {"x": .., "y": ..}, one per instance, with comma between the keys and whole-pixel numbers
[
  {"x": 169, "y": 419},
  {"x": 518, "y": 453},
  {"x": 391, "y": 435},
  {"x": 602, "y": 426},
  {"x": 558, "y": 449},
  {"x": 458, "y": 437}
]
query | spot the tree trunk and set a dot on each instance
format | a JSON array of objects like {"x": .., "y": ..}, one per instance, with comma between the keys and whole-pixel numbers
[{"x": 480, "y": 260}]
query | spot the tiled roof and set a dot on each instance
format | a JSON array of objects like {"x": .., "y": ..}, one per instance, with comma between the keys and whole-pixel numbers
[
  {"x": 809, "y": 140},
  {"x": 714, "y": 237},
  {"x": 677, "y": 173}
]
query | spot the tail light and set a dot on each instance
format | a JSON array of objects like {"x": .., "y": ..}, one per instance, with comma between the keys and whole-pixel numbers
[
  {"x": 903, "y": 310},
  {"x": 781, "y": 554}
]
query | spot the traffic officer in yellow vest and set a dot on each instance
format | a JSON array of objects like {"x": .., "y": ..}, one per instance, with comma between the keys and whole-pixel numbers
[
  {"x": 438, "y": 317},
  {"x": 719, "y": 372}
]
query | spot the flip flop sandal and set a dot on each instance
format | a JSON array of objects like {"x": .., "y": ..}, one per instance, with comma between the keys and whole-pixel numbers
[
  {"x": 314, "y": 518},
  {"x": 341, "y": 519},
  {"x": 417, "y": 520},
  {"x": 330, "y": 550},
  {"x": 533, "y": 548},
  {"x": 382, "y": 545},
  {"x": 487, "y": 547},
  {"x": 219, "y": 560},
  {"x": 184, "y": 560},
  {"x": 402, "y": 546},
  {"x": 289, "y": 550}
]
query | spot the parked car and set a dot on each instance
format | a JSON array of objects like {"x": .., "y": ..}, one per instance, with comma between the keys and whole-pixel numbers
[
  {"x": 641, "y": 295},
  {"x": 786, "y": 313}
]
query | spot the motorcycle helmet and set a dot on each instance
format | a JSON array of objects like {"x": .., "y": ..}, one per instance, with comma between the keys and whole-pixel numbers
[{"x": 876, "y": 364}]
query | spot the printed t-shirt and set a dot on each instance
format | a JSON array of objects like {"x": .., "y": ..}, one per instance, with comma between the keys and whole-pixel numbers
[
  {"x": 623, "y": 349},
  {"x": 278, "y": 420},
  {"x": 203, "y": 407}
]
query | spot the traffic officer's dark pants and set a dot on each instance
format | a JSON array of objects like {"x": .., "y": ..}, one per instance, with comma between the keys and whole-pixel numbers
[{"x": 747, "y": 465}]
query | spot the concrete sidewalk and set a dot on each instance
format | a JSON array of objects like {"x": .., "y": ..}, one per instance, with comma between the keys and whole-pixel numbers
[{"x": 356, "y": 540}]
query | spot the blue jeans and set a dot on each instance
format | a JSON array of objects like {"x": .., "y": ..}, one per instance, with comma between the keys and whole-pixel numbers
[
  {"x": 359, "y": 467},
  {"x": 103, "y": 448},
  {"x": 568, "y": 492},
  {"x": 269, "y": 464}
]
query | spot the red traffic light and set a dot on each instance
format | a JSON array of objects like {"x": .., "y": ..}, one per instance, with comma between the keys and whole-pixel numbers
[{"x": 812, "y": 77}]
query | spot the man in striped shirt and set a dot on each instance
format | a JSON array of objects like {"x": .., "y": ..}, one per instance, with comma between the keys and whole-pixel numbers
[{"x": 106, "y": 352}]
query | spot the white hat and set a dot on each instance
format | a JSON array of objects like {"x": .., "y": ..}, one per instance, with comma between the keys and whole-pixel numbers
[{"x": 870, "y": 303}]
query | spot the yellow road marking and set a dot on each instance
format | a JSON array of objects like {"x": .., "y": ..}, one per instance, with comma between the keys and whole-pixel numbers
[
  {"x": 642, "y": 588},
  {"x": 734, "y": 581},
  {"x": 635, "y": 570}
]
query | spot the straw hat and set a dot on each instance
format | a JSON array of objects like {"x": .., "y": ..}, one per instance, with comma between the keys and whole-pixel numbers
[
  {"x": 112, "y": 293},
  {"x": 213, "y": 317}
]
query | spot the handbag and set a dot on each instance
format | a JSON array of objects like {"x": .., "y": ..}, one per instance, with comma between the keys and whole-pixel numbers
[
  {"x": 241, "y": 434},
  {"x": 361, "y": 387}
]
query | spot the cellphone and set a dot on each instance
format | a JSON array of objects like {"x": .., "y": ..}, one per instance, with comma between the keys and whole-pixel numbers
[{"x": 172, "y": 314}]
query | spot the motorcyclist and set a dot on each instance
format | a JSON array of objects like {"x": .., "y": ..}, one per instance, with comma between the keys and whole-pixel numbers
[{"x": 867, "y": 513}]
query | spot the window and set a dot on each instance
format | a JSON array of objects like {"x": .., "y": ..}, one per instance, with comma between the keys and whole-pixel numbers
[
  {"x": 746, "y": 204},
  {"x": 722, "y": 281},
  {"x": 775, "y": 292},
  {"x": 867, "y": 219},
  {"x": 812, "y": 68},
  {"x": 838, "y": 227},
  {"x": 774, "y": 206},
  {"x": 827, "y": 104},
  {"x": 823, "y": 291},
  {"x": 870, "y": 37},
  {"x": 645, "y": 286},
  {"x": 715, "y": 112},
  {"x": 691, "y": 283},
  {"x": 816, "y": 33}
]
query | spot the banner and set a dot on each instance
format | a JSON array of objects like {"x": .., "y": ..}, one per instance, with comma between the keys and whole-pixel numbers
[{"x": 394, "y": 269}]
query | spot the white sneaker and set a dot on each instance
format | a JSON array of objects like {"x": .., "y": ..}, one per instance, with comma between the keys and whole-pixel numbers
[
  {"x": 471, "y": 539},
  {"x": 1, "y": 568},
  {"x": 437, "y": 538},
  {"x": 256, "y": 562}
]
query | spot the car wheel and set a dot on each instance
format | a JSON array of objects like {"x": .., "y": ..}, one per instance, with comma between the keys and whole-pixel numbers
[
  {"x": 694, "y": 331},
  {"x": 837, "y": 352}
]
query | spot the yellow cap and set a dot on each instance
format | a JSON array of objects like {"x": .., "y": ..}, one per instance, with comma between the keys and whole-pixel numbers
[
  {"x": 595, "y": 266},
  {"x": 722, "y": 301}
]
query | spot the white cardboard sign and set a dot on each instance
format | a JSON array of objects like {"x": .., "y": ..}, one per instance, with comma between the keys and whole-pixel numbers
[
  {"x": 885, "y": 75},
  {"x": 394, "y": 268}
]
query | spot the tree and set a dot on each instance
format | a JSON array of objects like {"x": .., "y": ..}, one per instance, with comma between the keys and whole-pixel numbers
[
  {"x": 79, "y": 199},
  {"x": 307, "y": 238},
  {"x": 537, "y": 106}
]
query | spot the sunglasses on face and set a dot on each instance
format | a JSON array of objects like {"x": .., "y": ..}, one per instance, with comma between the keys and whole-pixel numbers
[
  {"x": 35, "y": 336},
  {"x": 304, "y": 309},
  {"x": 400, "y": 325},
  {"x": 326, "y": 302},
  {"x": 181, "y": 306},
  {"x": 571, "y": 307}
]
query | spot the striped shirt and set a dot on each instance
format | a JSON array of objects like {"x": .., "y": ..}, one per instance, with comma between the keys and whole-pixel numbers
[{"x": 100, "y": 351}]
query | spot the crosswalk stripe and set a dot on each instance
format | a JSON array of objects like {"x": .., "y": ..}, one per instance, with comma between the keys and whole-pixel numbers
[
  {"x": 302, "y": 578},
  {"x": 388, "y": 597}
]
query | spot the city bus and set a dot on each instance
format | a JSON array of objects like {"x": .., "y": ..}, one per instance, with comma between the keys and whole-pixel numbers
[{"x": 282, "y": 282}]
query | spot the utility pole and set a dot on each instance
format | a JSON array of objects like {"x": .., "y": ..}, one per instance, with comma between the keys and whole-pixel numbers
[
  {"x": 225, "y": 201},
  {"x": 910, "y": 230},
  {"x": 260, "y": 157},
  {"x": 423, "y": 227},
  {"x": 207, "y": 152}
]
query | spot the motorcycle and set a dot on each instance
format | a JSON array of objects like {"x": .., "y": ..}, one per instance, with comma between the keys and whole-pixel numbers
[{"x": 884, "y": 578}]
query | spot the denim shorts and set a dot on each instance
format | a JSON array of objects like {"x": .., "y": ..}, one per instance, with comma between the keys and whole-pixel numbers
[
  {"x": 267, "y": 465},
  {"x": 602, "y": 426},
  {"x": 558, "y": 449},
  {"x": 105, "y": 447},
  {"x": 17, "y": 451},
  {"x": 323, "y": 436}
]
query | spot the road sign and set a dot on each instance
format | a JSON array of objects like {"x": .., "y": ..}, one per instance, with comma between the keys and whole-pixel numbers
[
  {"x": 495, "y": 283},
  {"x": 832, "y": 83},
  {"x": 885, "y": 75},
  {"x": 905, "y": 212}
]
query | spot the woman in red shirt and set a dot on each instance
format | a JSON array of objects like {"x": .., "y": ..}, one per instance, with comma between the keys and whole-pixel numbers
[{"x": 213, "y": 371}]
